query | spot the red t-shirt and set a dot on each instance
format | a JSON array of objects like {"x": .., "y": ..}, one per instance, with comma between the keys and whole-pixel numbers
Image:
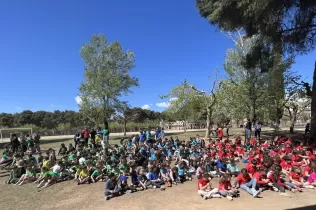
[
  {"x": 295, "y": 176},
  {"x": 307, "y": 169},
  {"x": 288, "y": 150},
  {"x": 286, "y": 165},
  {"x": 243, "y": 180},
  {"x": 258, "y": 177},
  {"x": 220, "y": 133},
  {"x": 202, "y": 182},
  {"x": 250, "y": 169},
  {"x": 288, "y": 142},
  {"x": 224, "y": 186},
  {"x": 295, "y": 158}
]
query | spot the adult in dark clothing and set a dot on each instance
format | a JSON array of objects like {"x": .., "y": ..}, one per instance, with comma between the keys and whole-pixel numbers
[
  {"x": 77, "y": 139},
  {"x": 15, "y": 143},
  {"x": 307, "y": 127},
  {"x": 248, "y": 129},
  {"x": 93, "y": 133},
  {"x": 257, "y": 130}
]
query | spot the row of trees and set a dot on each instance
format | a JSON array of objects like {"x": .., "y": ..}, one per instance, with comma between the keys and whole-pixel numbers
[{"x": 132, "y": 118}]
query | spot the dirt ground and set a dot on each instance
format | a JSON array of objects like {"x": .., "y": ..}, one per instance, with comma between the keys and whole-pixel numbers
[{"x": 68, "y": 195}]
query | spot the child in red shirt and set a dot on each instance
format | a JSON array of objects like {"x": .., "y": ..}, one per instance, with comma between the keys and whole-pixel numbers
[
  {"x": 220, "y": 133},
  {"x": 205, "y": 188},
  {"x": 225, "y": 187},
  {"x": 261, "y": 178},
  {"x": 286, "y": 165},
  {"x": 296, "y": 177},
  {"x": 242, "y": 178},
  {"x": 251, "y": 168}
]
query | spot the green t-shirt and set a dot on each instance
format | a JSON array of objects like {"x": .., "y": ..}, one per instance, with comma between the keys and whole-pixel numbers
[
  {"x": 30, "y": 142},
  {"x": 70, "y": 157},
  {"x": 5, "y": 156},
  {"x": 123, "y": 167},
  {"x": 116, "y": 171},
  {"x": 96, "y": 173},
  {"x": 108, "y": 168}
]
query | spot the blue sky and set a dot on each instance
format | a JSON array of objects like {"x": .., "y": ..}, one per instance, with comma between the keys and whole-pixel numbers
[{"x": 41, "y": 68}]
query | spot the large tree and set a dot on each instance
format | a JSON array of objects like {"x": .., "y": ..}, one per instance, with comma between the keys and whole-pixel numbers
[
  {"x": 107, "y": 75},
  {"x": 279, "y": 26},
  {"x": 189, "y": 101}
]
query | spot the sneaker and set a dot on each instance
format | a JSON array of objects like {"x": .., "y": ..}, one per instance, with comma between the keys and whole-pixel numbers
[
  {"x": 275, "y": 189},
  {"x": 162, "y": 188},
  {"x": 107, "y": 198},
  {"x": 229, "y": 197},
  {"x": 309, "y": 187},
  {"x": 129, "y": 191},
  {"x": 154, "y": 187},
  {"x": 204, "y": 197},
  {"x": 255, "y": 193},
  {"x": 216, "y": 196},
  {"x": 294, "y": 190}
]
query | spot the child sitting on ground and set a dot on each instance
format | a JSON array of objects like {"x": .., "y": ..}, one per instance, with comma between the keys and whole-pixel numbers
[
  {"x": 30, "y": 175},
  {"x": 111, "y": 187},
  {"x": 225, "y": 187},
  {"x": 205, "y": 188}
]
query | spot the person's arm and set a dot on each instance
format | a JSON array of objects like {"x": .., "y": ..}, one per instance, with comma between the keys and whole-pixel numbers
[
  {"x": 143, "y": 184},
  {"x": 236, "y": 182},
  {"x": 205, "y": 187}
]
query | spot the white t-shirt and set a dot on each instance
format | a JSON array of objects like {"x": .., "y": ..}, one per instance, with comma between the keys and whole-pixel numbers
[
  {"x": 82, "y": 161},
  {"x": 56, "y": 169}
]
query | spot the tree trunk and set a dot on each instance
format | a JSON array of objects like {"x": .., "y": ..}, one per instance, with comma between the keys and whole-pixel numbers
[
  {"x": 292, "y": 127},
  {"x": 208, "y": 122},
  {"x": 124, "y": 127},
  {"x": 313, "y": 110},
  {"x": 106, "y": 123}
]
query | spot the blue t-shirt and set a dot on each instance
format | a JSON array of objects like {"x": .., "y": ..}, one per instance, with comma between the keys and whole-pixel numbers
[
  {"x": 180, "y": 171},
  {"x": 152, "y": 176},
  {"x": 223, "y": 167},
  {"x": 152, "y": 157},
  {"x": 157, "y": 132},
  {"x": 141, "y": 138},
  {"x": 123, "y": 179}
]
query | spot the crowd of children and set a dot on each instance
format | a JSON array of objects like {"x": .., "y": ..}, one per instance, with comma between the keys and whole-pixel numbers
[
  {"x": 142, "y": 162},
  {"x": 278, "y": 164}
]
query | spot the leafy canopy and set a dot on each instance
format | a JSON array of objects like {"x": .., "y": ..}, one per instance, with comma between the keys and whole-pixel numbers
[{"x": 107, "y": 76}]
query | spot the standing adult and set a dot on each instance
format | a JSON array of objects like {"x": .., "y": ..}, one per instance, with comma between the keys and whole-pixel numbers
[
  {"x": 85, "y": 134},
  {"x": 106, "y": 134},
  {"x": 307, "y": 127},
  {"x": 77, "y": 139},
  {"x": 257, "y": 130},
  {"x": 248, "y": 129},
  {"x": 93, "y": 133},
  {"x": 15, "y": 143}
]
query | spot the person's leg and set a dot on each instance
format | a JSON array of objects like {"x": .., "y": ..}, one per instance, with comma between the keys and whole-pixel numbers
[
  {"x": 290, "y": 184},
  {"x": 279, "y": 187},
  {"x": 252, "y": 184},
  {"x": 223, "y": 193},
  {"x": 246, "y": 188}
]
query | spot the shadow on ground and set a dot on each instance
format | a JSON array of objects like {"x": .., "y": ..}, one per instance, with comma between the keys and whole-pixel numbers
[{"x": 313, "y": 207}]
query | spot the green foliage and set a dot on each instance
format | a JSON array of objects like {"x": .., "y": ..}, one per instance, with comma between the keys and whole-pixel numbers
[
  {"x": 107, "y": 77},
  {"x": 291, "y": 22}
]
